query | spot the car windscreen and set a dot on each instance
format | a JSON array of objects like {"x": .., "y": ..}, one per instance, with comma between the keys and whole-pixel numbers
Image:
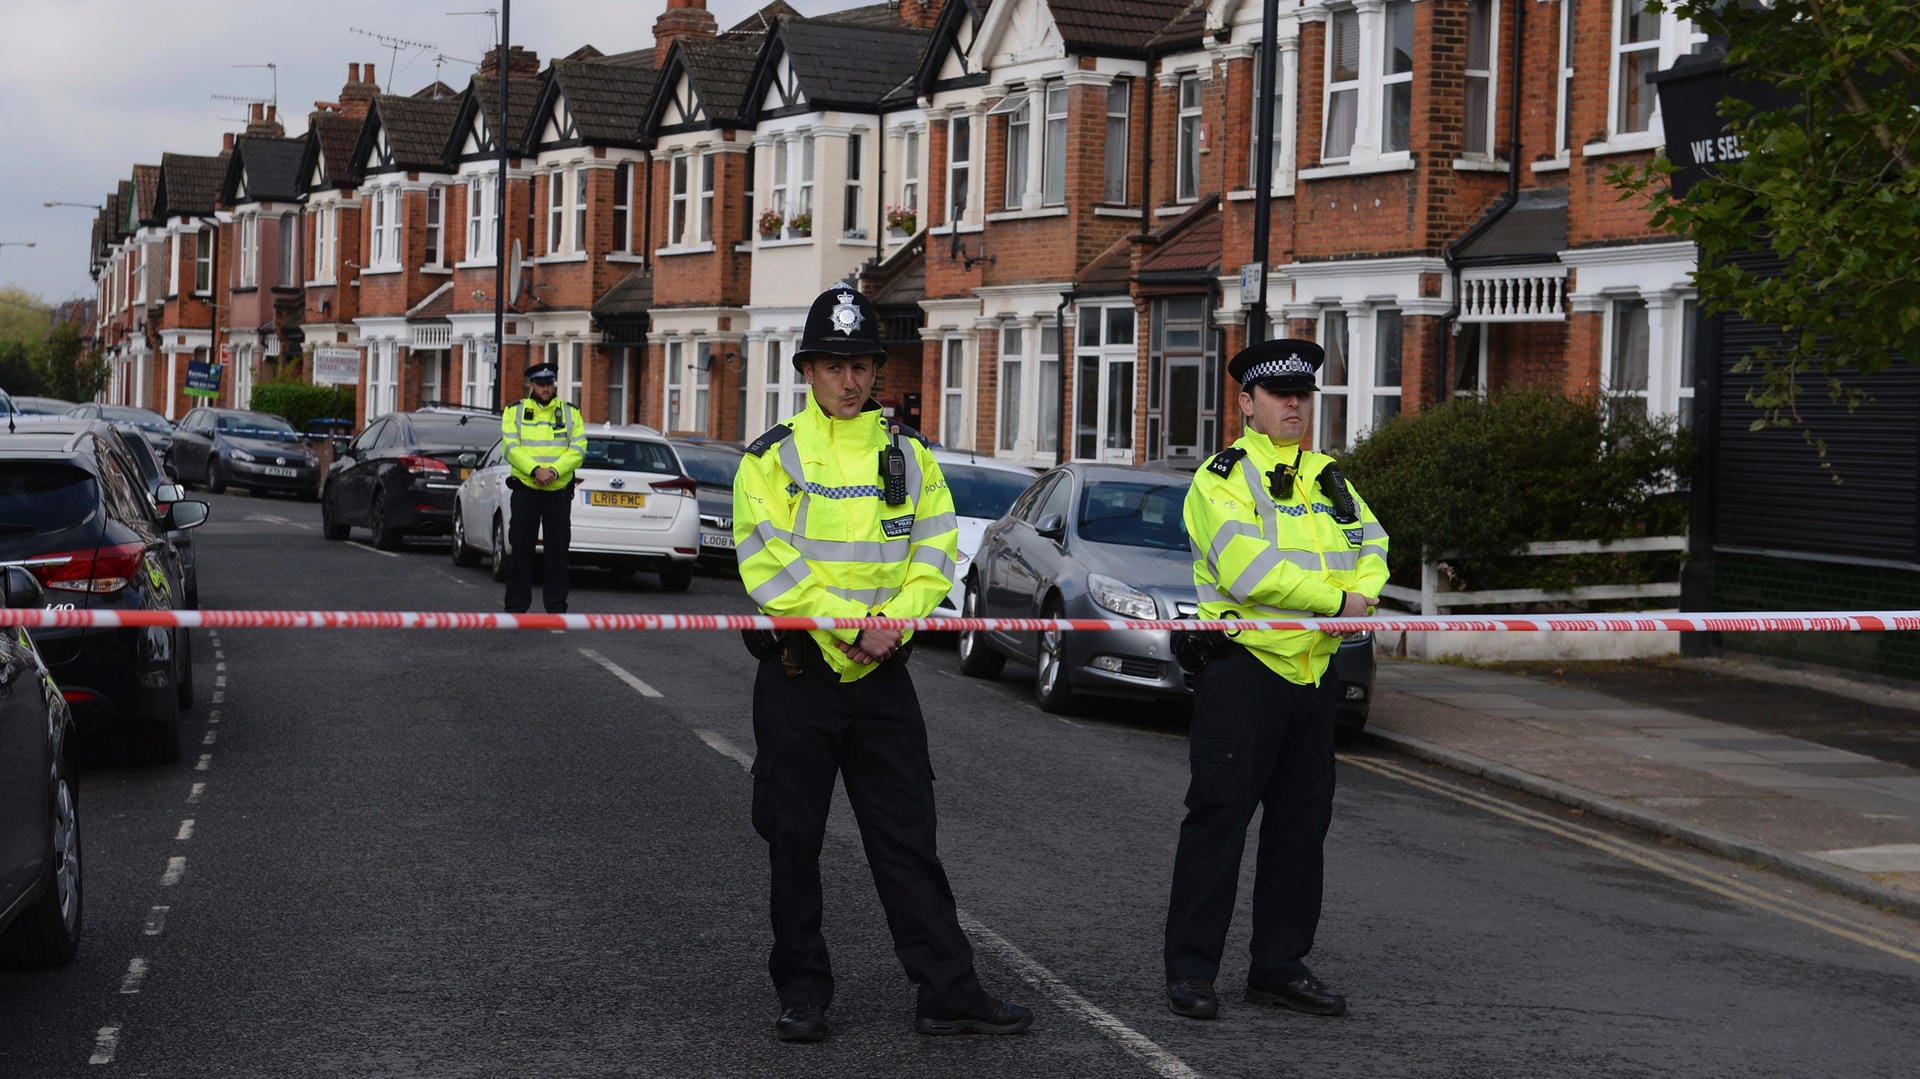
[
  {"x": 984, "y": 492},
  {"x": 256, "y": 425},
  {"x": 710, "y": 466},
  {"x": 39, "y": 498},
  {"x": 143, "y": 417},
  {"x": 1133, "y": 513},
  {"x": 630, "y": 455},
  {"x": 442, "y": 429}
]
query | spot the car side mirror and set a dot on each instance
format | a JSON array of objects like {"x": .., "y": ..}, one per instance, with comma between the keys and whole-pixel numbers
[
  {"x": 191, "y": 513},
  {"x": 468, "y": 460},
  {"x": 23, "y": 588},
  {"x": 1053, "y": 526},
  {"x": 342, "y": 448},
  {"x": 168, "y": 492}
]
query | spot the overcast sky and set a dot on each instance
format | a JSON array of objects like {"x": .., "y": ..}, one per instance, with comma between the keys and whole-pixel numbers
[{"x": 89, "y": 88}]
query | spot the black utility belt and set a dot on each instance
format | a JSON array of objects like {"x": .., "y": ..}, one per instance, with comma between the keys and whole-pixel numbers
[
  {"x": 514, "y": 483},
  {"x": 797, "y": 653}
]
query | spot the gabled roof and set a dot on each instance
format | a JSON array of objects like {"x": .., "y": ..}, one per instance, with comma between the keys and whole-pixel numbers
[
  {"x": 877, "y": 16},
  {"x": 117, "y": 211},
  {"x": 437, "y": 305},
  {"x": 415, "y": 129},
  {"x": 718, "y": 69},
  {"x": 189, "y": 185},
  {"x": 817, "y": 50},
  {"x": 1187, "y": 249},
  {"x": 146, "y": 184},
  {"x": 331, "y": 139},
  {"x": 606, "y": 99},
  {"x": 1120, "y": 27},
  {"x": 762, "y": 21},
  {"x": 482, "y": 99},
  {"x": 268, "y": 169},
  {"x": 956, "y": 18},
  {"x": 1532, "y": 228},
  {"x": 1109, "y": 273}
]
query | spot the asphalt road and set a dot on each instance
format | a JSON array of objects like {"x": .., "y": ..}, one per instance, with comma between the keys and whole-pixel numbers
[{"x": 517, "y": 854}]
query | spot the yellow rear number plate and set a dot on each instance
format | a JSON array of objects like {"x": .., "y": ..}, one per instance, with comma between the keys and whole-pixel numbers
[{"x": 623, "y": 499}]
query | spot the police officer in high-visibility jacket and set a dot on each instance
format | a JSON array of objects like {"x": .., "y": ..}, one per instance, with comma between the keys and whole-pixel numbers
[
  {"x": 836, "y": 514},
  {"x": 545, "y": 439},
  {"x": 1277, "y": 533}
]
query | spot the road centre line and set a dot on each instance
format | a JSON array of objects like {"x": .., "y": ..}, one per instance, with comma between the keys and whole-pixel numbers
[
  {"x": 205, "y": 760},
  {"x": 193, "y": 796},
  {"x": 621, "y": 673},
  {"x": 375, "y": 550},
  {"x": 211, "y": 735},
  {"x": 136, "y": 974},
  {"x": 176, "y": 868},
  {"x": 105, "y": 1044},
  {"x": 1030, "y": 970},
  {"x": 156, "y": 921},
  {"x": 186, "y": 830},
  {"x": 1859, "y": 932}
]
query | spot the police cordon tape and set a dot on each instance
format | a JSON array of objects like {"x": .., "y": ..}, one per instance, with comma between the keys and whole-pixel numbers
[{"x": 1742, "y": 622}]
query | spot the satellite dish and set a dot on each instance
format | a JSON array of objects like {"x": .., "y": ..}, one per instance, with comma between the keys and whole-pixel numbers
[{"x": 513, "y": 274}]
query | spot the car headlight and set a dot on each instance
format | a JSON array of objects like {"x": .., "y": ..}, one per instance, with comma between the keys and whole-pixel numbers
[
  {"x": 1119, "y": 597},
  {"x": 240, "y": 455}
]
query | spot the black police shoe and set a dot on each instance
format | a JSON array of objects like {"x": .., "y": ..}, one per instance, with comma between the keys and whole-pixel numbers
[
  {"x": 986, "y": 1016},
  {"x": 1302, "y": 994},
  {"x": 802, "y": 1023},
  {"x": 1193, "y": 998}
]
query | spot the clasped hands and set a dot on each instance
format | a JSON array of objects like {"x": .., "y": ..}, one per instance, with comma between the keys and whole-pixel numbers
[
  {"x": 1354, "y": 605},
  {"x": 544, "y": 474},
  {"x": 871, "y": 645}
]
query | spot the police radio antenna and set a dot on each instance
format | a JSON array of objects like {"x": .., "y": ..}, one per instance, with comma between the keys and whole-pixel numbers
[
  {"x": 274, "y": 69},
  {"x": 393, "y": 46}
]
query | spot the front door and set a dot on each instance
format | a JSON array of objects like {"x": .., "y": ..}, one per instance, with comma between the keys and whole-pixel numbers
[{"x": 1181, "y": 446}]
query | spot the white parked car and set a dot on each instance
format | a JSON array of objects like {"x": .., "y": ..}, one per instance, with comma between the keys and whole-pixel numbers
[
  {"x": 983, "y": 492},
  {"x": 635, "y": 508}
]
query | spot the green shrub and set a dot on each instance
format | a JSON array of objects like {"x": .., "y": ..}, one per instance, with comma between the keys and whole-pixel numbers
[
  {"x": 1473, "y": 481},
  {"x": 300, "y": 403}
]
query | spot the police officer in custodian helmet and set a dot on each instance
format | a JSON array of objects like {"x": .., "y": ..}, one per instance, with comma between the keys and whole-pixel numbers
[
  {"x": 837, "y": 515},
  {"x": 1276, "y": 533},
  {"x": 544, "y": 439}
]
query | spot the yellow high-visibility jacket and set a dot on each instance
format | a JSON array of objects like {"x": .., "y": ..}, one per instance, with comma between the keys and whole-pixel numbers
[
  {"x": 815, "y": 537},
  {"x": 1254, "y": 557},
  {"x": 553, "y": 435}
]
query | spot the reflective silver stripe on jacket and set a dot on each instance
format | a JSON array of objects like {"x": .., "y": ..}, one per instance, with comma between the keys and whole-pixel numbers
[{"x": 780, "y": 583}]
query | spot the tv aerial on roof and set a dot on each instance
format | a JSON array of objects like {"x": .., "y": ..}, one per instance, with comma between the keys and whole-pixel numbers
[
  {"x": 394, "y": 45},
  {"x": 275, "y": 70}
]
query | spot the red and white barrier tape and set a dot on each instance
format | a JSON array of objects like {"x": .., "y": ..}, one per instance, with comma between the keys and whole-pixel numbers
[{"x": 1744, "y": 622}]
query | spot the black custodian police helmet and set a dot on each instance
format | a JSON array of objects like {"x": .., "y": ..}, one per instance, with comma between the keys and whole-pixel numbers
[
  {"x": 1286, "y": 365},
  {"x": 841, "y": 322}
]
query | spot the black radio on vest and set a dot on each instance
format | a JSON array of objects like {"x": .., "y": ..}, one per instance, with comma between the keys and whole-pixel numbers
[{"x": 893, "y": 471}]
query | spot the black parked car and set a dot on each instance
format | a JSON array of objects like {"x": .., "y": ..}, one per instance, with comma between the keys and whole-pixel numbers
[
  {"x": 400, "y": 474},
  {"x": 155, "y": 428},
  {"x": 713, "y": 466},
  {"x": 40, "y": 910},
  {"x": 164, "y": 492},
  {"x": 74, "y": 511},
  {"x": 1104, "y": 541},
  {"x": 222, "y": 447}
]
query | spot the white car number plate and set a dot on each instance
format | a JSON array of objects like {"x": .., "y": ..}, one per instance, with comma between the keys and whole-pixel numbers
[
  {"x": 274, "y": 470},
  {"x": 716, "y": 539}
]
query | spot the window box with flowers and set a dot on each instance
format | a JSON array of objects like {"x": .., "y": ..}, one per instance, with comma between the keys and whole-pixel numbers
[
  {"x": 903, "y": 220},
  {"x": 800, "y": 224},
  {"x": 770, "y": 222}
]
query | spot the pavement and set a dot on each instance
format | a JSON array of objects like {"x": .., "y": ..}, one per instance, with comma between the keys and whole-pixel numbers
[{"x": 1721, "y": 754}]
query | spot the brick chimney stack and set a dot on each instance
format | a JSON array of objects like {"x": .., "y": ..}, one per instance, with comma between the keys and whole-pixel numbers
[
  {"x": 265, "y": 120},
  {"x": 683, "y": 18},
  {"x": 356, "y": 97},
  {"x": 521, "y": 64},
  {"x": 921, "y": 14}
]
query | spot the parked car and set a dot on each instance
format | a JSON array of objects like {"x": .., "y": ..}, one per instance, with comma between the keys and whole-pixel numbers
[
  {"x": 164, "y": 492},
  {"x": 1103, "y": 541},
  {"x": 41, "y": 406},
  {"x": 155, "y": 428},
  {"x": 983, "y": 491},
  {"x": 222, "y": 447},
  {"x": 713, "y": 466},
  {"x": 74, "y": 512},
  {"x": 398, "y": 477},
  {"x": 636, "y": 509},
  {"x": 40, "y": 886}
]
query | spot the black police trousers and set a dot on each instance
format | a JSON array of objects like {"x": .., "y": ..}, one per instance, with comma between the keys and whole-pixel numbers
[
  {"x": 807, "y": 728},
  {"x": 536, "y": 512},
  {"x": 1257, "y": 739}
]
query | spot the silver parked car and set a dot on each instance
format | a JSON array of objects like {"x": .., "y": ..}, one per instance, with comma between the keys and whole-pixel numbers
[{"x": 1103, "y": 541}]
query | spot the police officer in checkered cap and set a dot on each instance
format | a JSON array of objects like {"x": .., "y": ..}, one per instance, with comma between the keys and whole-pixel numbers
[{"x": 1277, "y": 533}]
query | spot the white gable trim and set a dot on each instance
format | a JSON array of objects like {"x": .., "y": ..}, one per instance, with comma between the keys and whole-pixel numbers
[{"x": 1016, "y": 32}]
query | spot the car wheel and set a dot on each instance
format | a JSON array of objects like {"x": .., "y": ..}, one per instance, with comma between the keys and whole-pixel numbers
[
  {"x": 463, "y": 555},
  {"x": 385, "y": 538},
  {"x": 977, "y": 657},
  {"x": 48, "y": 933},
  {"x": 499, "y": 550},
  {"x": 676, "y": 579},
  {"x": 216, "y": 483},
  {"x": 183, "y": 682},
  {"x": 330, "y": 525},
  {"x": 1051, "y": 686}
]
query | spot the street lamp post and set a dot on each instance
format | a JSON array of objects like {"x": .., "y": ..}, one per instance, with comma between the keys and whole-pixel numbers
[{"x": 18, "y": 243}]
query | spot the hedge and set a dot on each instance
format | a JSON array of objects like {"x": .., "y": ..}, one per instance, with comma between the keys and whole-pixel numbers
[
  {"x": 1474, "y": 480},
  {"x": 300, "y": 403}
]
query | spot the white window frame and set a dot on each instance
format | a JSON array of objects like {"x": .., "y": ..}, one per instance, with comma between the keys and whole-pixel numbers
[
  {"x": 1013, "y": 368},
  {"x": 959, "y": 171},
  {"x": 1359, "y": 347},
  {"x": 1686, "y": 364},
  {"x": 289, "y": 251},
  {"x": 173, "y": 264},
  {"x": 1187, "y": 146},
  {"x": 1115, "y": 178},
  {"x": 957, "y": 422},
  {"x": 1371, "y": 87},
  {"x": 1674, "y": 38},
  {"x": 1379, "y": 390},
  {"x": 140, "y": 273},
  {"x": 623, "y": 203},
  {"x": 383, "y": 228},
  {"x": 1115, "y": 411},
  {"x": 803, "y": 188},
  {"x": 1563, "y": 106},
  {"x": 483, "y": 216},
  {"x": 556, "y": 212},
  {"x": 1616, "y": 347},
  {"x": 619, "y": 385},
  {"x": 435, "y": 252},
  {"x": 1483, "y": 81},
  {"x": 577, "y": 191},
  {"x": 854, "y": 197},
  {"x": 784, "y": 388},
  {"x": 1054, "y": 135},
  {"x": 703, "y": 360},
  {"x": 1019, "y": 150},
  {"x": 679, "y": 198},
  {"x": 383, "y": 379},
  {"x": 1046, "y": 397},
  {"x": 325, "y": 220},
  {"x": 777, "y": 188},
  {"x": 249, "y": 245},
  {"x": 1393, "y": 81},
  {"x": 703, "y": 204},
  {"x": 910, "y": 171},
  {"x": 203, "y": 241},
  {"x": 1281, "y": 92}
]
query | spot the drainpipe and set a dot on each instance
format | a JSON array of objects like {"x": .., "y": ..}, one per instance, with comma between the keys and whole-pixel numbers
[
  {"x": 502, "y": 73},
  {"x": 1060, "y": 343},
  {"x": 1146, "y": 156},
  {"x": 880, "y": 192}
]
